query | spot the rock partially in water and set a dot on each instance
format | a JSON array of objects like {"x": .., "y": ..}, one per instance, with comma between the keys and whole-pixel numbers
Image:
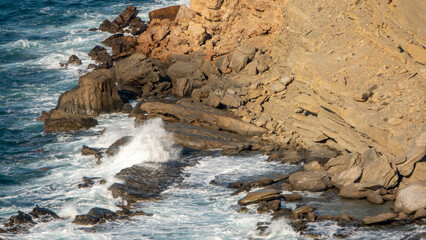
[
  {"x": 313, "y": 181},
  {"x": 381, "y": 218},
  {"x": 114, "y": 148},
  {"x": 96, "y": 152},
  {"x": 44, "y": 213},
  {"x": 411, "y": 198},
  {"x": 21, "y": 218},
  {"x": 269, "y": 206},
  {"x": 94, "y": 216},
  {"x": 259, "y": 196},
  {"x": 146, "y": 182},
  {"x": 294, "y": 197},
  {"x": 90, "y": 181}
]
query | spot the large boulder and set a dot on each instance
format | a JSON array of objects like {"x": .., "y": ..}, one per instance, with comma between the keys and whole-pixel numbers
[
  {"x": 341, "y": 163},
  {"x": 356, "y": 190},
  {"x": 313, "y": 181},
  {"x": 136, "y": 71},
  {"x": 59, "y": 121},
  {"x": 377, "y": 169},
  {"x": 411, "y": 198},
  {"x": 96, "y": 93},
  {"x": 241, "y": 56}
]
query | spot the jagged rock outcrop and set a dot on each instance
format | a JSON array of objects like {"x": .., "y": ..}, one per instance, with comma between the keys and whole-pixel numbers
[{"x": 96, "y": 93}]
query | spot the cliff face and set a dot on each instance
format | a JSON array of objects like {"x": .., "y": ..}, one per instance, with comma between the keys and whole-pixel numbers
[
  {"x": 354, "y": 69},
  {"x": 358, "y": 67}
]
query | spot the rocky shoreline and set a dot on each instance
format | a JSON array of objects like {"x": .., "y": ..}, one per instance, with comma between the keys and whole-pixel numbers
[{"x": 250, "y": 76}]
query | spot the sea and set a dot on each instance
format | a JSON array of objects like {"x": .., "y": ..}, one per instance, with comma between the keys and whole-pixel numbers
[{"x": 46, "y": 168}]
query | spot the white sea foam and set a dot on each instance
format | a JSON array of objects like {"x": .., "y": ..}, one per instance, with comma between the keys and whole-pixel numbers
[{"x": 24, "y": 43}]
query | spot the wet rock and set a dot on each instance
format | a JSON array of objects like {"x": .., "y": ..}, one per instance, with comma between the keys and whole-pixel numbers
[
  {"x": 303, "y": 209},
  {"x": 411, "y": 198},
  {"x": 268, "y": 206},
  {"x": 261, "y": 182},
  {"x": 374, "y": 197},
  {"x": 21, "y": 218},
  {"x": 127, "y": 108},
  {"x": 145, "y": 183},
  {"x": 245, "y": 187},
  {"x": 313, "y": 181},
  {"x": 294, "y": 197},
  {"x": 100, "y": 55},
  {"x": 260, "y": 195},
  {"x": 127, "y": 95},
  {"x": 102, "y": 213},
  {"x": 235, "y": 185},
  {"x": 39, "y": 212},
  {"x": 85, "y": 219},
  {"x": 286, "y": 187},
  {"x": 90, "y": 181},
  {"x": 381, "y": 218},
  {"x": 108, "y": 26},
  {"x": 73, "y": 59},
  {"x": 96, "y": 93},
  {"x": 58, "y": 120},
  {"x": 344, "y": 218},
  {"x": 96, "y": 152},
  {"x": 242, "y": 210},
  {"x": 115, "y": 147}
]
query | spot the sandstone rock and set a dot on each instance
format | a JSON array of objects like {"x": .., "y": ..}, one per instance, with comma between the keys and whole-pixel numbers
[
  {"x": 173, "y": 58},
  {"x": 421, "y": 213},
  {"x": 261, "y": 182},
  {"x": 127, "y": 108},
  {"x": 356, "y": 190},
  {"x": 389, "y": 197},
  {"x": 339, "y": 164},
  {"x": 238, "y": 61},
  {"x": 120, "y": 44},
  {"x": 58, "y": 120},
  {"x": 265, "y": 207},
  {"x": 108, "y": 26},
  {"x": 205, "y": 114},
  {"x": 184, "y": 76},
  {"x": 347, "y": 177},
  {"x": 411, "y": 198},
  {"x": 344, "y": 218},
  {"x": 209, "y": 69},
  {"x": 197, "y": 33},
  {"x": 418, "y": 175},
  {"x": 95, "y": 94},
  {"x": 417, "y": 154},
  {"x": 286, "y": 187},
  {"x": 313, "y": 166},
  {"x": 124, "y": 18},
  {"x": 374, "y": 197},
  {"x": 137, "y": 26},
  {"x": 260, "y": 195},
  {"x": 313, "y": 181},
  {"x": 134, "y": 72},
  {"x": 381, "y": 218},
  {"x": 294, "y": 197},
  {"x": 377, "y": 170},
  {"x": 165, "y": 13},
  {"x": 222, "y": 63},
  {"x": 303, "y": 209}
]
